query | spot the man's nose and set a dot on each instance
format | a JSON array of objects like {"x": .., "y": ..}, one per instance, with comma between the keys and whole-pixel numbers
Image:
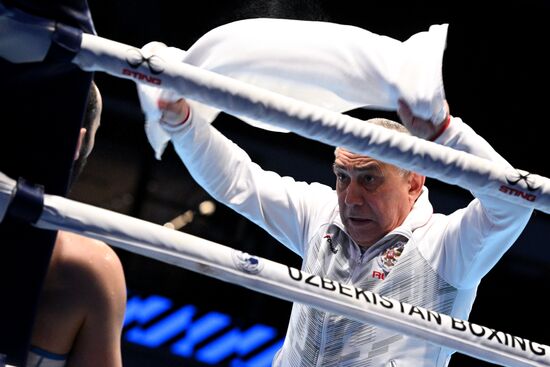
[{"x": 354, "y": 194}]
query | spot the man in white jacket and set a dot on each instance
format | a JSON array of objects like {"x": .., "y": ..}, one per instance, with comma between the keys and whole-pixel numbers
[{"x": 376, "y": 231}]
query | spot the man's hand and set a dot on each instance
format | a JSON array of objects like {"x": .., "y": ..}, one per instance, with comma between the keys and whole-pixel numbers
[
  {"x": 174, "y": 113},
  {"x": 419, "y": 127}
]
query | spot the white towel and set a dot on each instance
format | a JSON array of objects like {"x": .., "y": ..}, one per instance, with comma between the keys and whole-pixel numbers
[{"x": 338, "y": 67}]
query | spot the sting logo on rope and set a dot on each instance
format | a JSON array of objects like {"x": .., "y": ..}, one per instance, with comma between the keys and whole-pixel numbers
[
  {"x": 517, "y": 178},
  {"x": 522, "y": 176},
  {"x": 134, "y": 58}
]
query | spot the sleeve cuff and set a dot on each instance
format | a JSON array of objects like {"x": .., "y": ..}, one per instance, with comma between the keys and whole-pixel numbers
[
  {"x": 442, "y": 128},
  {"x": 169, "y": 128}
]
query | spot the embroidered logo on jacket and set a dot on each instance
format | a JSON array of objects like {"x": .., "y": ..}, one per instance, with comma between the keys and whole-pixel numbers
[
  {"x": 387, "y": 260},
  {"x": 332, "y": 247}
]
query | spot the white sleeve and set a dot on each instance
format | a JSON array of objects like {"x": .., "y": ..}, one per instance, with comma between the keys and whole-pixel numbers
[
  {"x": 477, "y": 236},
  {"x": 280, "y": 205}
]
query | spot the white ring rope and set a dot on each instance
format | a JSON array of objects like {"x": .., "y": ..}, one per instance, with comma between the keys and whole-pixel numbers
[
  {"x": 242, "y": 99},
  {"x": 265, "y": 276}
]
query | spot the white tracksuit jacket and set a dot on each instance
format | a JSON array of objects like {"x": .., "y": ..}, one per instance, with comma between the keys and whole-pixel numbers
[{"x": 432, "y": 260}]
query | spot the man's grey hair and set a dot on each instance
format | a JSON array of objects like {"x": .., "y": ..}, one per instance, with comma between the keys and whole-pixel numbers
[
  {"x": 392, "y": 125},
  {"x": 389, "y": 124}
]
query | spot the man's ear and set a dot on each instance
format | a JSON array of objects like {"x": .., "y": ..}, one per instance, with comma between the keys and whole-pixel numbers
[
  {"x": 79, "y": 142},
  {"x": 416, "y": 182}
]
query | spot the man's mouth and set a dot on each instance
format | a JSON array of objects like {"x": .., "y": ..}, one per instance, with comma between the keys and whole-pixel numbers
[{"x": 357, "y": 220}]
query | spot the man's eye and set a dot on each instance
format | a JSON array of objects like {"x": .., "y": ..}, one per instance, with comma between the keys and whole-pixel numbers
[
  {"x": 369, "y": 179},
  {"x": 341, "y": 176}
]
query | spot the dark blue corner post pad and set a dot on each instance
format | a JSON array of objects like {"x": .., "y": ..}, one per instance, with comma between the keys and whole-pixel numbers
[
  {"x": 67, "y": 37},
  {"x": 27, "y": 203}
]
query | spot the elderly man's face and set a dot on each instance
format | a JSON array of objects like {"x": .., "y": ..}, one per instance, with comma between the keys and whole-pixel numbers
[{"x": 374, "y": 197}]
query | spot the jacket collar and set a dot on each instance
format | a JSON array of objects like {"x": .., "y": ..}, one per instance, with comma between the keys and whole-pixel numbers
[{"x": 420, "y": 214}]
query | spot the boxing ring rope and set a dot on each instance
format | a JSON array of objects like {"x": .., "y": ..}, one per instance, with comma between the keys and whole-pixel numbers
[
  {"x": 242, "y": 99},
  {"x": 265, "y": 276}
]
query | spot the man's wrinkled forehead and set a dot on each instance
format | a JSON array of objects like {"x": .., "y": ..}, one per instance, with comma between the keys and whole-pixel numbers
[
  {"x": 342, "y": 154},
  {"x": 344, "y": 159}
]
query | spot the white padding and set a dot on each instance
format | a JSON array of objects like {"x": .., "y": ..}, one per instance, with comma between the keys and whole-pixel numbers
[
  {"x": 23, "y": 37},
  {"x": 7, "y": 188}
]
